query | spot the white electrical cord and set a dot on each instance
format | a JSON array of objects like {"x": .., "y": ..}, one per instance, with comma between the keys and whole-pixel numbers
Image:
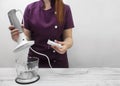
[
  {"x": 42, "y": 55},
  {"x": 78, "y": 72}
]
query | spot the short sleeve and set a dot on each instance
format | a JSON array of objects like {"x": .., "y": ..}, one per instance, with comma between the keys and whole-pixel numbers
[
  {"x": 68, "y": 18},
  {"x": 26, "y": 18}
]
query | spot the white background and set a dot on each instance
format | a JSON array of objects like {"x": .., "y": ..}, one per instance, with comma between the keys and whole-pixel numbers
[{"x": 96, "y": 34}]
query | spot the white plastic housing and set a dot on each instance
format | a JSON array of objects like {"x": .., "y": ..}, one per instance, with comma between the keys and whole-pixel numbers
[
  {"x": 54, "y": 44},
  {"x": 23, "y": 43}
]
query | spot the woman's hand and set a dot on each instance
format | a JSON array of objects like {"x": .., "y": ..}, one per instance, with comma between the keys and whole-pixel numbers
[
  {"x": 67, "y": 43},
  {"x": 60, "y": 50},
  {"x": 14, "y": 33}
]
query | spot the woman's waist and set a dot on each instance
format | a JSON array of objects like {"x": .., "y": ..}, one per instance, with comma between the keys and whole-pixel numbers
[{"x": 41, "y": 52}]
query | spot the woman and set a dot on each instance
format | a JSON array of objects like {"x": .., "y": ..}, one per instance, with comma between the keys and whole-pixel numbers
[{"x": 48, "y": 19}]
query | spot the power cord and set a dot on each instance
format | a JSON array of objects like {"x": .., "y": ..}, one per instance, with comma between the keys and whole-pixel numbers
[
  {"x": 42, "y": 55},
  {"x": 78, "y": 72}
]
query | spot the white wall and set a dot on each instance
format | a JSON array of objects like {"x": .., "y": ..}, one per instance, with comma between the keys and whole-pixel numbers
[{"x": 96, "y": 35}]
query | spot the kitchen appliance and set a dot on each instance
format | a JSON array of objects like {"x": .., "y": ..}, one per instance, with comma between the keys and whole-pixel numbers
[
  {"x": 27, "y": 69},
  {"x": 22, "y": 41}
]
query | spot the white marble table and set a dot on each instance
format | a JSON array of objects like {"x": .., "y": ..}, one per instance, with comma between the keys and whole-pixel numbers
[{"x": 67, "y": 77}]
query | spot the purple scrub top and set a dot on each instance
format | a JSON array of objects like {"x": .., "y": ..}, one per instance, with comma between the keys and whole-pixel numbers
[{"x": 43, "y": 26}]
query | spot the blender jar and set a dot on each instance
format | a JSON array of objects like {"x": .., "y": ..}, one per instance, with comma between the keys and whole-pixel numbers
[{"x": 27, "y": 71}]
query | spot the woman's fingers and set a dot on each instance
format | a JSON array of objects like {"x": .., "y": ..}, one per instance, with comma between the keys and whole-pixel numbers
[
  {"x": 59, "y": 50},
  {"x": 15, "y": 32},
  {"x": 59, "y": 42},
  {"x": 11, "y": 27}
]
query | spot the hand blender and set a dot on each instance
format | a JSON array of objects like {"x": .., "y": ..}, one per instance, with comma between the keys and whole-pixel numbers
[
  {"x": 27, "y": 73},
  {"x": 22, "y": 41}
]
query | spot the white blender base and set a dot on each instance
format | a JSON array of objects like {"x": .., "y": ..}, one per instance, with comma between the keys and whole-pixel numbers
[{"x": 23, "y": 45}]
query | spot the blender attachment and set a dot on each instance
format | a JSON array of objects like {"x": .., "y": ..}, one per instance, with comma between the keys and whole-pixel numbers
[
  {"x": 27, "y": 73},
  {"x": 22, "y": 41}
]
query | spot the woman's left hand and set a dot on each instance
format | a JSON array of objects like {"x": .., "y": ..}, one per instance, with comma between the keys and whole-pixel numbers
[{"x": 60, "y": 50}]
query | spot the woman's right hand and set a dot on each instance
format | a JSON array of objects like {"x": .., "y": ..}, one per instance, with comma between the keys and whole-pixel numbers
[{"x": 14, "y": 33}]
